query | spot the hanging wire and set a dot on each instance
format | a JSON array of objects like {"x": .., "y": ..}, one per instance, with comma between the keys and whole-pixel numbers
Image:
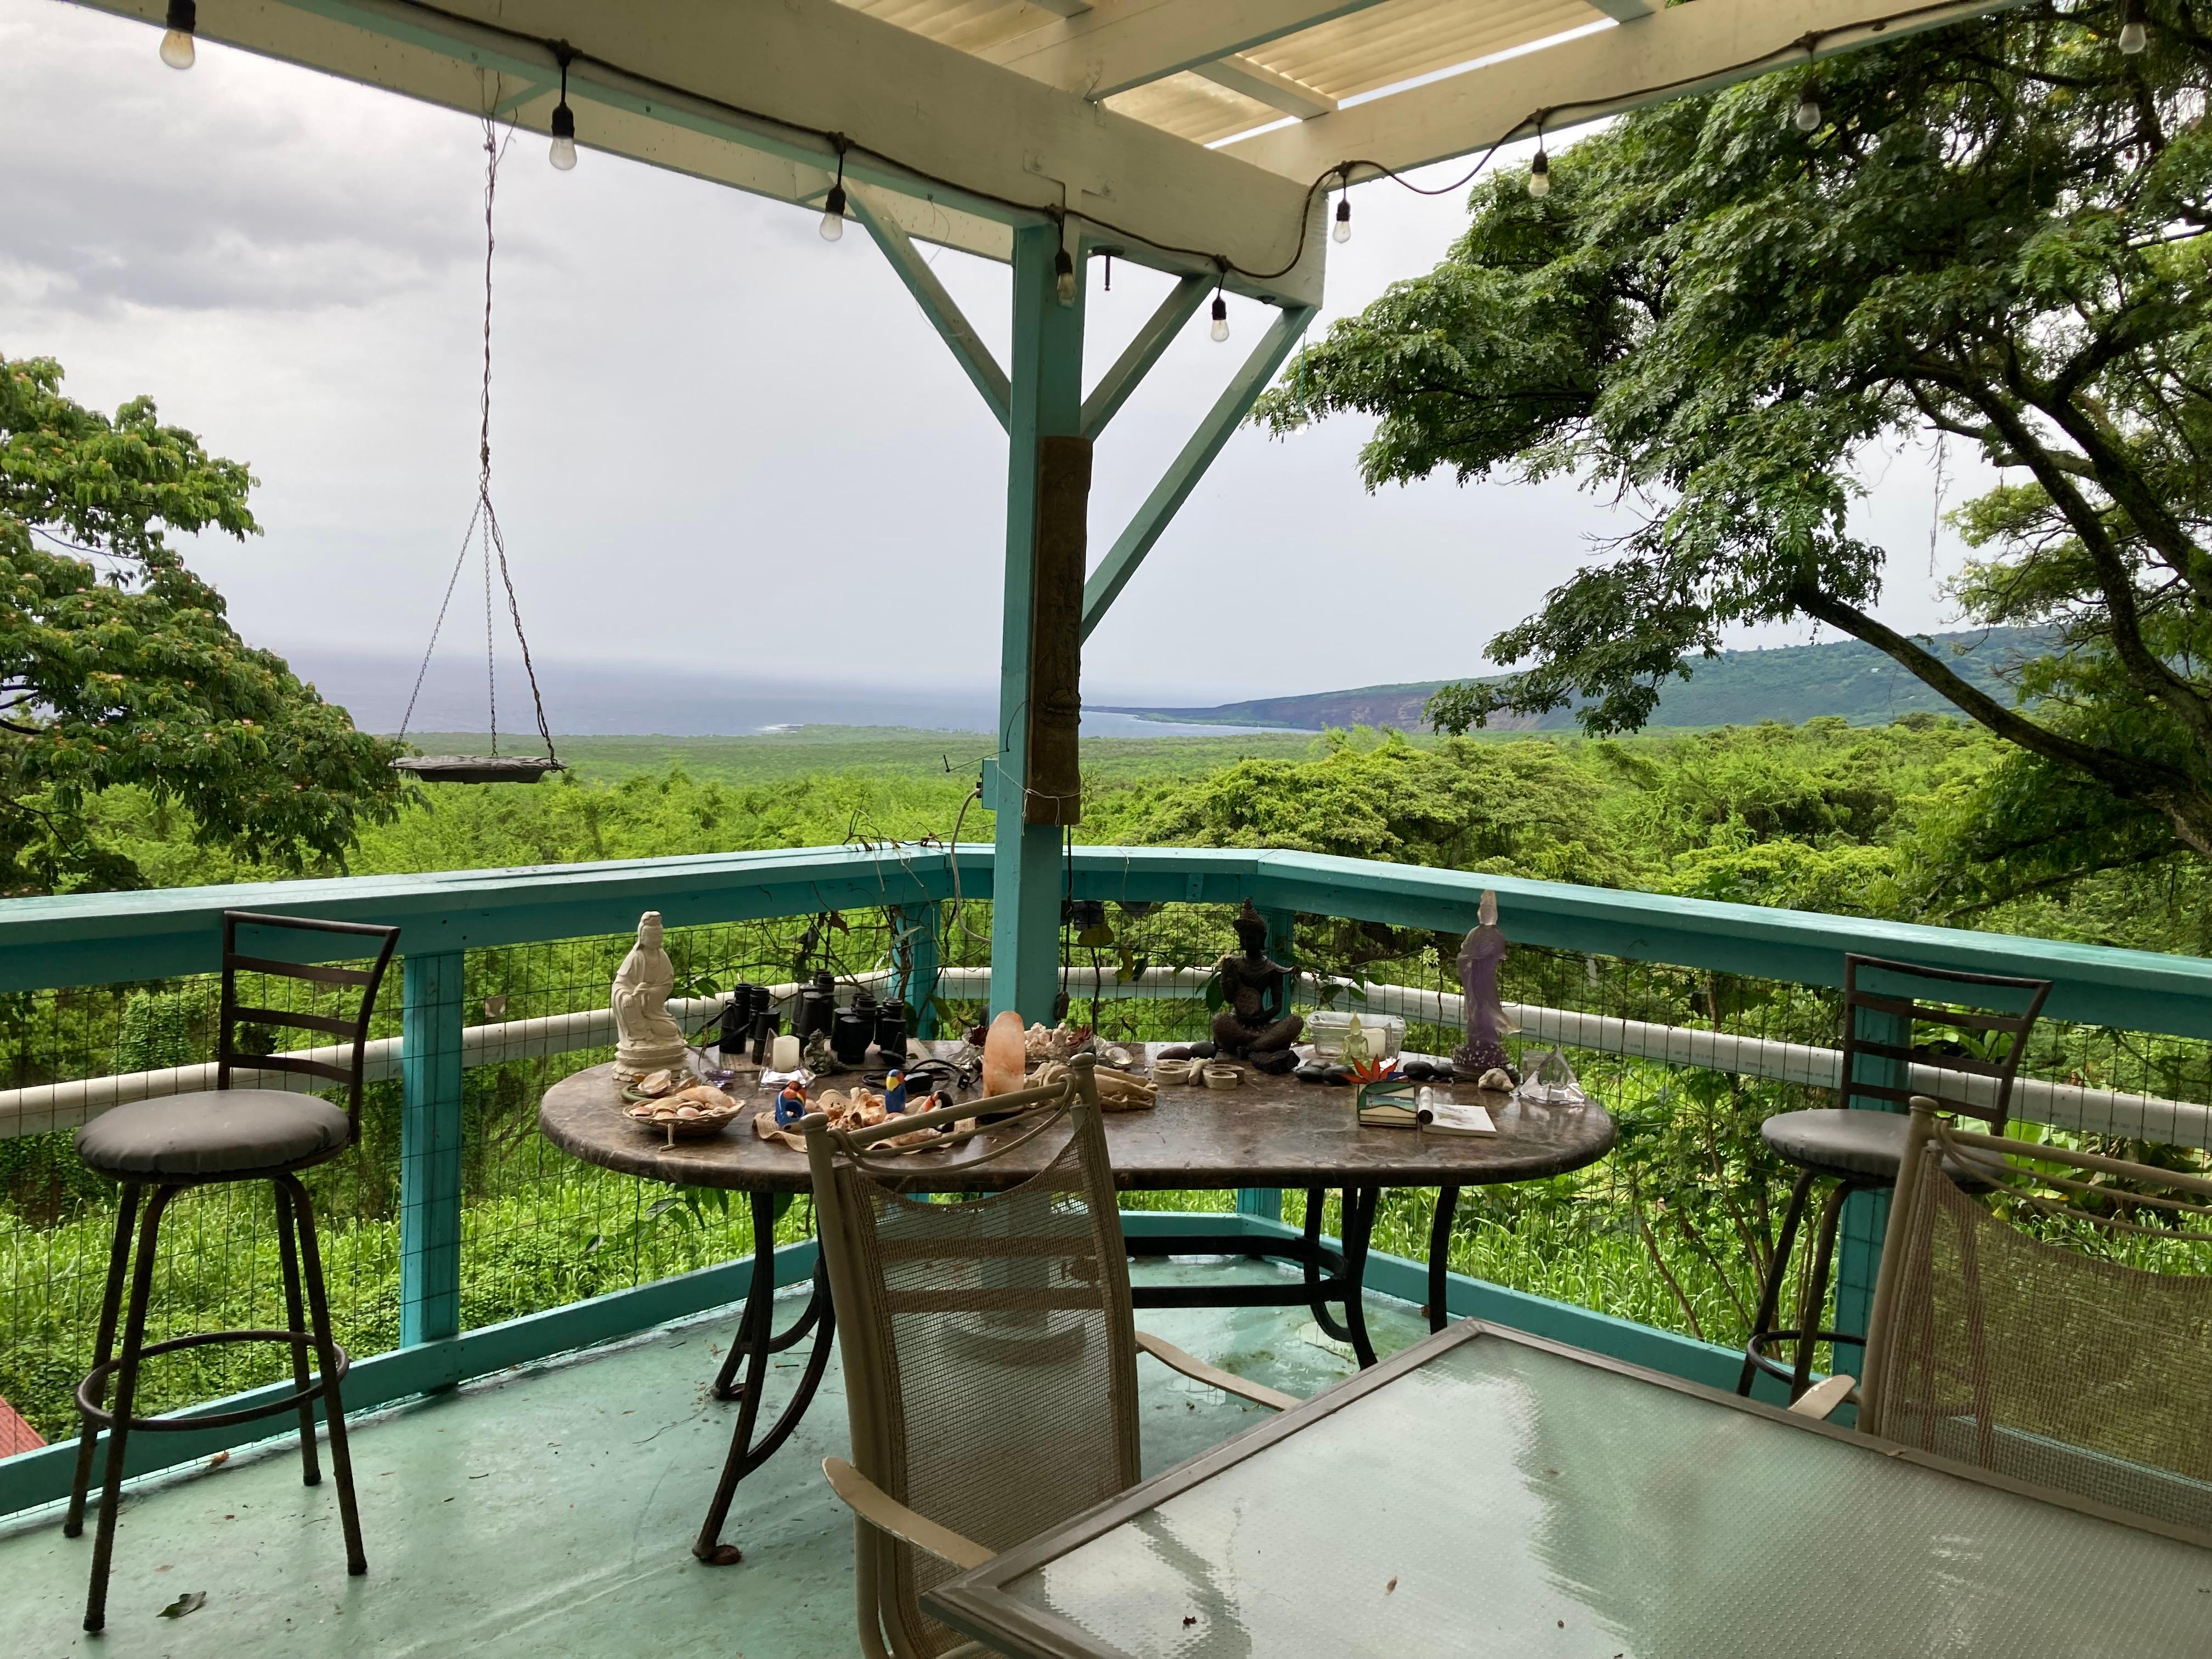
[
  {"x": 484, "y": 514},
  {"x": 1810, "y": 42}
]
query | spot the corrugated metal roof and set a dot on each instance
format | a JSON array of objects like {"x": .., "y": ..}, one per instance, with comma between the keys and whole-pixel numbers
[{"x": 1368, "y": 48}]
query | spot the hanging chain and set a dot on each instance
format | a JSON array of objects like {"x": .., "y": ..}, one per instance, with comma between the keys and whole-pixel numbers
[{"x": 493, "y": 542}]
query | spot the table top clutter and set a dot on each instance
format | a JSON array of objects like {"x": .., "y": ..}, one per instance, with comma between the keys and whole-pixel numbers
[
  {"x": 1268, "y": 1131},
  {"x": 1488, "y": 1493}
]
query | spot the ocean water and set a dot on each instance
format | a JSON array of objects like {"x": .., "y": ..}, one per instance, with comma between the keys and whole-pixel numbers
[{"x": 602, "y": 700}]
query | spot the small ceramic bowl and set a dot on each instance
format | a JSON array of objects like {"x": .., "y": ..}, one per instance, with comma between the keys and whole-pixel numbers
[
  {"x": 1171, "y": 1072},
  {"x": 1222, "y": 1077}
]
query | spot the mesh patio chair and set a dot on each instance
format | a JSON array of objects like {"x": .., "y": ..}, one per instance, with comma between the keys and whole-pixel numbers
[
  {"x": 2043, "y": 1360},
  {"x": 989, "y": 1352},
  {"x": 207, "y": 1138},
  {"x": 1907, "y": 1030}
]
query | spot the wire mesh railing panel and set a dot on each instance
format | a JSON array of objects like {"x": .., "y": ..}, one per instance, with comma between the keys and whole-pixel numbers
[
  {"x": 217, "y": 1264},
  {"x": 1675, "y": 1229}
]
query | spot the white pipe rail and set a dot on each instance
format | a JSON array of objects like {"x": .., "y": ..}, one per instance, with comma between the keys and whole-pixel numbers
[{"x": 43, "y": 1107}]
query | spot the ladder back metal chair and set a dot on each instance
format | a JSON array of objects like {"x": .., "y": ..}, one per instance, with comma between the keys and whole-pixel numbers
[
  {"x": 2045, "y": 1359},
  {"x": 989, "y": 1351},
  {"x": 1890, "y": 1054},
  {"x": 212, "y": 1137}
]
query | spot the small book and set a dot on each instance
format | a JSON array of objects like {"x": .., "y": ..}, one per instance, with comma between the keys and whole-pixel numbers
[{"x": 1435, "y": 1113}]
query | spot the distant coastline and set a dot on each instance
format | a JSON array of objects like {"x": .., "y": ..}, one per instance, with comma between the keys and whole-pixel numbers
[{"x": 1790, "y": 684}]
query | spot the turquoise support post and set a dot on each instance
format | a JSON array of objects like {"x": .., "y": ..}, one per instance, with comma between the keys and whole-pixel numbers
[
  {"x": 917, "y": 987},
  {"x": 1047, "y": 402},
  {"x": 1266, "y": 1202},
  {"x": 1866, "y": 1215},
  {"x": 430, "y": 1147}
]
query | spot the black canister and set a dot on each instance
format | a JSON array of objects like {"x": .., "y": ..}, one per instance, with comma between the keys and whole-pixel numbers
[
  {"x": 737, "y": 1032},
  {"x": 890, "y": 1030},
  {"x": 817, "y": 1006},
  {"x": 849, "y": 1037}
]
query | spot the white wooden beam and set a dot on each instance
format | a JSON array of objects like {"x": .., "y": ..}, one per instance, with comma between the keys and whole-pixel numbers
[
  {"x": 744, "y": 92},
  {"x": 1121, "y": 44},
  {"x": 1256, "y": 80},
  {"x": 1676, "y": 51}
]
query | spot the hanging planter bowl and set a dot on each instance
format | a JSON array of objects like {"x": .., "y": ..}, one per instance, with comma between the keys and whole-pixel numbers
[{"x": 477, "y": 769}]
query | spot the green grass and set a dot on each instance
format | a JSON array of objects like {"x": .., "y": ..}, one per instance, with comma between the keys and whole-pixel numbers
[{"x": 875, "y": 752}]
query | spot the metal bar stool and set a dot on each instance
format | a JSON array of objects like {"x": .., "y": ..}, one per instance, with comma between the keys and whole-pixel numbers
[
  {"x": 1967, "y": 1066},
  {"x": 205, "y": 1138}
]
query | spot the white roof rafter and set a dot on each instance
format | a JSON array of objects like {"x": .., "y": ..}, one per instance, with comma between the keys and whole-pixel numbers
[{"x": 1154, "y": 127}]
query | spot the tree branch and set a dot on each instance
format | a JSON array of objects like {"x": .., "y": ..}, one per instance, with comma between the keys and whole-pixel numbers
[{"x": 2169, "y": 792}]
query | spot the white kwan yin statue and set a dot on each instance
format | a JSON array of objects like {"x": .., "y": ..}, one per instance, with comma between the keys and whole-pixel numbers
[{"x": 646, "y": 1039}]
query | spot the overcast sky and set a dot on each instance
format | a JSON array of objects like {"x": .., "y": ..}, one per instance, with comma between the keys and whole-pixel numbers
[{"x": 719, "y": 441}]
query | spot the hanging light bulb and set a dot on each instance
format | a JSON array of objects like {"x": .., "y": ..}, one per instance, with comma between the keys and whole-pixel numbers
[
  {"x": 1540, "y": 175},
  {"x": 1063, "y": 272},
  {"x": 563, "y": 152},
  {"x": 177, "y": 41},
  {"x": 1220, "y": 330},
  {"x": 1343, "y": 231},
  {"x": 833, "y": 205},
  {"x": 2134, "y": 37},
  {"x": 1807, "y": 116}
]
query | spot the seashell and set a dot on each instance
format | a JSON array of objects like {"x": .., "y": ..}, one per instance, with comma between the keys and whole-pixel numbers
[
  {"x": 1495, "y": 1078},
  {"x": 687, "y": 1111},
  {"x": 703, "y": 1099},
  {"x": 656, "y": 1083}
]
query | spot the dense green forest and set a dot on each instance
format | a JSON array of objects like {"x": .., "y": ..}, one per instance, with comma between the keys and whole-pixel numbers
[{"x": 1894, "y": 821}]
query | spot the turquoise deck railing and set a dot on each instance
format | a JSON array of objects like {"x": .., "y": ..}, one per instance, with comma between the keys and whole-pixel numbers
[{"x": 52, "y": 944}]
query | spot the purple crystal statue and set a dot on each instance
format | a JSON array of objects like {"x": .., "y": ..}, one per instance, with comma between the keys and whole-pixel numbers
[{"x": 1480, "y": 958}]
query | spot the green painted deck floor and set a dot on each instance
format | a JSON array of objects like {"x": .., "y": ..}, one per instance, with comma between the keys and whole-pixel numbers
[{"x": 551, "y": 1511}]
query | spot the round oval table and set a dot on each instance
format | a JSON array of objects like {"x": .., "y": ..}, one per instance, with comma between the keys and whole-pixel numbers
[{"x": 1270, "y": 1131}]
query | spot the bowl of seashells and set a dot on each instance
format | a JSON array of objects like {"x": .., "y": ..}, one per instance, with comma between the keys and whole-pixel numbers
[{"x": 677, "y": 1108}]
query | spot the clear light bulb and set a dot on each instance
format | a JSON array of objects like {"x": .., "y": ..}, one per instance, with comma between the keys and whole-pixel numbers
[
  {"x": 833, "y": 214},
  {"x": 1808, "y": 114},
  {"x": 1064, "y": 278},
  {"x": 563, "y": 152},
  {"x": 2134, "y": 37},
  {"x": 1220, "y": 330},
  {"x": 1540, "y": 176},
  {"x": 177, "y": 41},
  {"x": 1343, "y": 231}
]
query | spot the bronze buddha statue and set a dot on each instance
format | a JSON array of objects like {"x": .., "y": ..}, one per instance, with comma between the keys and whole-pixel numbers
[{"x": 1256, "y": 995}]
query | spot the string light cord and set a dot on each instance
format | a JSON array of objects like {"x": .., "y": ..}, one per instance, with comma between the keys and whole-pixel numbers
[{"x": 565, "y": 54}]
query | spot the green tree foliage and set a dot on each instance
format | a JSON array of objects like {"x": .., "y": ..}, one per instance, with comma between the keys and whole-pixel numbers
[
  {"x": 117, "y": 665},
  {"x": 1997, "y": 232},
  {"x": 1519, "y": 808}
]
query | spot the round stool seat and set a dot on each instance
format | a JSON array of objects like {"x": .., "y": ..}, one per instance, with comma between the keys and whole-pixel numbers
[
  {"x": 210, "y": 1133},
  {"x": 1861, "y": 1145},
  {"x": 1847, "y": 1141}
]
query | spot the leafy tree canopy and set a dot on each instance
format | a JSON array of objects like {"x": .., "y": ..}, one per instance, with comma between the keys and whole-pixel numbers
[
  {"x": 1997, "y": 232},
  {"x": 117, "y": 665}
]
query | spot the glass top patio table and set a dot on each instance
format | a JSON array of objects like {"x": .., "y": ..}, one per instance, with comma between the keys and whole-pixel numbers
[{"x": 1487, "y": 1493}]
